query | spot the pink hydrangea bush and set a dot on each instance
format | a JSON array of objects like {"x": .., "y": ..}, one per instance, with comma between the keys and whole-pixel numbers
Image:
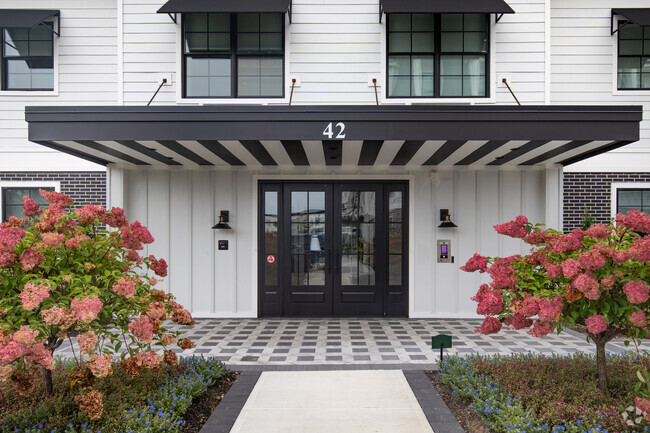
[
  {"x": 597, "y": 277},
  {"x": 63, "y": 275}
]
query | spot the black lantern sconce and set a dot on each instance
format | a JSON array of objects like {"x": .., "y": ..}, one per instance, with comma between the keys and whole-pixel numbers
[
  {"x": 446, "y": 220},
  {"x": 224, "y": 217}
]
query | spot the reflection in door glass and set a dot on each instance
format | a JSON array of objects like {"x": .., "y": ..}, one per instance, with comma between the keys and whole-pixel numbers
[
  {"x": 308, "y": 238},
  {"x": 271, "y": 237},
  {"x": 358, "y": 238},
  {"x": 395, "y": 238}
]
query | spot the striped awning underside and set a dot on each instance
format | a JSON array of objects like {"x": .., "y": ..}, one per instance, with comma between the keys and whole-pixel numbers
[{"x": 330, "y": 136}]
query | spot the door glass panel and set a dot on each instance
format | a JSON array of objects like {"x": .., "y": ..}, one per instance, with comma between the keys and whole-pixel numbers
[
  {"x": 395, "y": 270},
  {"x": 358, "y": 212},
  {"x": 271, "y": 237},
  {"x": 308, "y": 238},
  {"x": 395, "y": 237}
]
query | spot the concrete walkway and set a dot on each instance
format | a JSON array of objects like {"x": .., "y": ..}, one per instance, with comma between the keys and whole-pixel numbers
[{"x": 332, "y": 401}]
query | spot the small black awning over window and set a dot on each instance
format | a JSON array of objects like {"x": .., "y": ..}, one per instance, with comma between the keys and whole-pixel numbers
[
  {"x": 180, "y": 6},
  {"x": 446, "y": 6},
  {"x": 638, "y": 16},
  {"x": 13, "y": 18}
]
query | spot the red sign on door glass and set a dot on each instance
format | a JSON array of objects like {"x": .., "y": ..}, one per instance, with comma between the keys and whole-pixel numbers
[{"x": 270, "y": 259}]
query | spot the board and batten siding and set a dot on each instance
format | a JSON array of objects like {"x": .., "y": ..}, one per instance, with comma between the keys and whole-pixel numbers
[
  {"x": 180, "y": 207},
  {"x": 85, "y": 74},
  {"x": 584, "y": 64}
]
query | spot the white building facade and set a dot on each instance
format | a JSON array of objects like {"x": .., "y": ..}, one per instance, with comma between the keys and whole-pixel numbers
[{"x": 332, "y": 138}]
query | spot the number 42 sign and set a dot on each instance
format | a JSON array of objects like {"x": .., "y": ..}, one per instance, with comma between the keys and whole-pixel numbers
[{"x": 331, "y": 129}]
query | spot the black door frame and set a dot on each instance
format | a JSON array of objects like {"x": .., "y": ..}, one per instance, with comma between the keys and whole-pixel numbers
[{"x": 272, "y": 299}]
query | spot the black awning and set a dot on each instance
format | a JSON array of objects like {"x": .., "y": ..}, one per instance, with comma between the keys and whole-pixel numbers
[
  {"x": 446, "y": 6},
  {"x": 638, "y": 16},
  {"x": 379, "y": 136},
  {"x": 12, "y": 18},
  {"x": 180, "y": 6}
]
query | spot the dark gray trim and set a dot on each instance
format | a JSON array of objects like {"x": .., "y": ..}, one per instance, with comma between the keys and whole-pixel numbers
[
  {"x": 521, "y": 150},
  {"x": 226, "y": 413},
  {"x": 218, "y": 149},
  {"x": 259, "y": 152},
  {"x": 148, "y": 152},
  {"x": 370, "y": 151},
  {"x": 446, "y": 6},
  {"x": 445, "y": 152},
  {"x": 73, "y": 152},
  {"x": 175, "y": 146},
  {"x": 333, "y": 152},
  {"x": 176, "y": 6},
  {"x": 438, "y": 414},
  {"x": 13, "y": 18},
  {"x": 555, "y": 152},
  {"x": 110, "y": 151},
  {"x": 296, "y": 152},
  {"x": 639, "y": 16},
  {"x": 406, "y": 152},
  {"x": 482, "y": 151},
  {"x": 598, "y": 151}
]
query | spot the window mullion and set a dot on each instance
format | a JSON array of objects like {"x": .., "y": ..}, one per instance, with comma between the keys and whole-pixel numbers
[
  {"x": 234, "y": 81},
  {"x": 436, "y": 54}
]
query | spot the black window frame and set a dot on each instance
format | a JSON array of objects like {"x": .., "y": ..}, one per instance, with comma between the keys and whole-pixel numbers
[
  {"x": 631, "y": 188},
  {"x": 437, "y": 30},
  {"x": 644, "y": 30},
  {"x": 3, "y": 193},
  {"x": 4, "y": 79},
  {"x": 233, "y": 55}
]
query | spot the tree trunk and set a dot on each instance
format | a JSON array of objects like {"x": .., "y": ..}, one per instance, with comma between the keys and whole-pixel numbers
[
  {"x": 601, "y": 364},
  {"x": 47, "y": 378}
]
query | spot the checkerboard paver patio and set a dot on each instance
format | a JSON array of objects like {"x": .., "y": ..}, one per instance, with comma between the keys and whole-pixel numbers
[{"x": 361, "y": 341}]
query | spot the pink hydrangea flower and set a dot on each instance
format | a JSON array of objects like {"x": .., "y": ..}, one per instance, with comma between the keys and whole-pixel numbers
[
  {"x": 142, "y": 328},
  {"x": 567, "y": 243},
  {"x": 541, "y": 328},
  {"x": 100, "y": 365},
  {"x": 134, "y": 236},
  {"x": 529, "y": 306},
  {"x": 90, "y": 213},
  {"x": 39, "y": 355},
  {"x": 148, "y": 359},
  {"x": 125, "y": 286},
  {"x": 537, "y": 236},
  {"x": 75, "y": 242},
  {"x": 553, "y": 270},
  {"x": 640, "y": 249},
  {"x": 58, "y": 316},
  {"x": 159, "y": 266},
  {"x": 491, "y": 303},
  {"x": 115, "y": 218},
  {"x": 490, "y": 325},
  {"x": 637, "y": 291},
  {"x": 133, "y": 256},
  {"x": 31, "y": 259},
  {"x": 515, "y": 228},
  {"x": 643, "y": 404},
  {"x": 482, "y": 291},
  {"x": 518, "y": 321},
  {"x": 635, "y": 220},
  {"x": 86, "y": 309},
  {"x": 598, "y": 231},
  {"x": 56, "y": 199},
  {"x": 591, "y": 260},
  {"x": 14, "y": 222},
  {"x": 476, "y": 263},
  {"x": 502, "y": 273},
  {"x": 25, "y": 336},
  {"x": 9, "y": 238},
  {"x": 549, "y": 309},
  {"x": 571, "y": 268},
  {"x": 607, "y": 283},
  {"x": 585, "y": 282},
  {"x": 30, "y": 207},
  {"x": 52, "y": 239},
  {"x": 11, "y": 352},
  {"x": 32, "y": 296},
  {"x": 7, "y": 259},
  {"x": 596, "y": 324},
  {"x": 5, "y": 372},
  {"x": 639, "y": 319},
  {"x": 180, "y": 315},
  {"x": 87, "y": 342},
  {"x": 168, "y": 339},
  {"x": 156, "y": 311}
]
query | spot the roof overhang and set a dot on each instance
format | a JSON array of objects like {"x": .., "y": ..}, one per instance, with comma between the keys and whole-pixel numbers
[
  {"x": 18, "y": 18},
  {"x": 335, "y": 135}
]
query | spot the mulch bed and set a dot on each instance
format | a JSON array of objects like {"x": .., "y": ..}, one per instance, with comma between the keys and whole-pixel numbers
[
  {"x": 469, "y": 420},
  {"x": 202, "y": 407}
]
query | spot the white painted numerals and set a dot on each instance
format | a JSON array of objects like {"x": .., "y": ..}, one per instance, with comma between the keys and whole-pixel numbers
[{"x": 329, "y": 130}]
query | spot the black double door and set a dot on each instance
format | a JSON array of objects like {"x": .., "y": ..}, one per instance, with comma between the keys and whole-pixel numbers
[{"x": 333, "y": 249}]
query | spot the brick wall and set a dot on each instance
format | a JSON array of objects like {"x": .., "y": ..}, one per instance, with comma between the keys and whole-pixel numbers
[
  {"x": 593, "y": 190},
  {"x": 85, "y": 187}
]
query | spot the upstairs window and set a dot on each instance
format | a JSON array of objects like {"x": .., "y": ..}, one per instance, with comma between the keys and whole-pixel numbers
[
  {"x": 233, "y": 55},
  {"x": 27, "y": 58},
  {"x": 633, "y": 57},
  {"x": 438, "y": 55}
]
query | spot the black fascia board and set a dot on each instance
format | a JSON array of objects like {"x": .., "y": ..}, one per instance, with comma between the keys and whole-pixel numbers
[
  {"x": 234, "y": 6},
  {"x": 446, "y": 6},
  {"x": 615, "y": 123}
]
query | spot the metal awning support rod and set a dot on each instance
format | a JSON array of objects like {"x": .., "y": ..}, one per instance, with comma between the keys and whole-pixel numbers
[
  {"x": 497, "y": 17},
  {"x": 58, "y": 24},
  {"x": 611, "y": 24},
  {"x": 374, "y": 82},
  {"x": 293, "y": 84},
  {"x": 290, "y": 10},
  {"x": 173, "y": 17},
  {"x": 164, "y": 80},
  {"x": 381, "y": 10},
  {"x": 505, "y": 81}
]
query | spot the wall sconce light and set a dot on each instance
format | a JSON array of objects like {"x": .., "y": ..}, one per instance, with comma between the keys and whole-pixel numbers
[
  {"x": 224, "y": 217},
  {"x": 314, "y": 244},
  {"x": 446, "y": 220}
]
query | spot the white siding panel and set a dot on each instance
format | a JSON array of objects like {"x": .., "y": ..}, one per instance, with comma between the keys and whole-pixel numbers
[
  {"x": 158, "y": 209},
  {"x": 225, "y": 262},
  {"x": 180, "y": 237},
  {"x": 202, "y": 243}
]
